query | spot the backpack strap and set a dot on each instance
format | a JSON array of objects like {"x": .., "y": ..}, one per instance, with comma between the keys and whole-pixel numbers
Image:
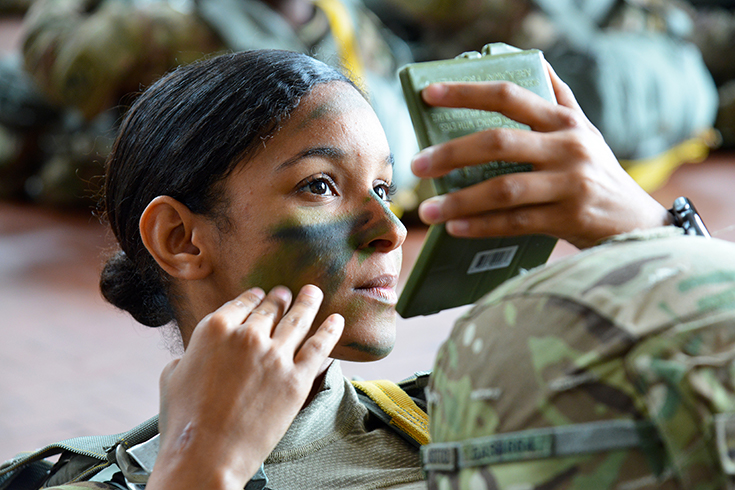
[
  {"x": 551, "y": 442},
  {"x": 392, "y": 404},
  {"x": 98, "y": 449}
]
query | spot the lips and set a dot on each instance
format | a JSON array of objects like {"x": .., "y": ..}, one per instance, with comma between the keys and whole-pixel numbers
[{"x": 382, "y": 288}]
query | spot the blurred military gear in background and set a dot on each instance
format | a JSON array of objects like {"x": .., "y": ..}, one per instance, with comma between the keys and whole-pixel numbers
[
  {"x": 90, "y": 57},
  {"x": 633, "y": 65},
  {"x": 613, "y": 368},
  {"x": 14, "y": 7}
]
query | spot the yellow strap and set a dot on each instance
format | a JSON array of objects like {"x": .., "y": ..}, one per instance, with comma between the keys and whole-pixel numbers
[
  {"x": 403, "y": 411},
  {"x": 652, "y": 173},
  {"x": 343, "y": 30}
]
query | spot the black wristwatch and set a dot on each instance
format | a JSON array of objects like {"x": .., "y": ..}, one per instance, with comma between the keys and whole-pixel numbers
[{"x": 686, "y": 217}]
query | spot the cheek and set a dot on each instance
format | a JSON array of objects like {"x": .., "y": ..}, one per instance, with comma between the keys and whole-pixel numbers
[{"x": 304, "y": 254}]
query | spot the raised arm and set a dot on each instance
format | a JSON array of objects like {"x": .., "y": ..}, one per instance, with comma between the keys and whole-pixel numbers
[
  {"x": 577, "y": 191},
  {"x": 247, "y": 371}
]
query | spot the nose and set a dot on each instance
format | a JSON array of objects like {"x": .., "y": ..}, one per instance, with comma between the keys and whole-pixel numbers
[{"x": 383, "y": 230}]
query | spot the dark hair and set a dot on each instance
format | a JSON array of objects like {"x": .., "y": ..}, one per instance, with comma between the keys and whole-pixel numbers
[{"x": 181, "y": 138}]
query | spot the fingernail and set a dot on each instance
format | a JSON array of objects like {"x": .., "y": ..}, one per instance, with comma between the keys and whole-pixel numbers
[
  {"x": 311, "y": 291},
  {"x": 430, "y": 210},
  {"x": 283, "y": 292},
  {"x": 258, "y": 292},
  {"x": 336, "y": 323},
  {"x": 422, "y": 161},
  {"x": 458, "y": 227},
  {"x": 434, "y": 92}
]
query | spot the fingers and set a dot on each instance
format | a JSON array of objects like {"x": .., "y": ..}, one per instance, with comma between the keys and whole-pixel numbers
[
  {"x": 236, "y": 311},
  {"x": 287, "y": 324},
  {"x": 503, "y": 192},
  {"x": 509, "y": 145},
  {"x": 294, "y": 326},
  {"x": 270, "y": 311},
  {"x": 318, "y": 347},
  {"x": 512, "y": 222},
  {"x": 507, "y": 98}
]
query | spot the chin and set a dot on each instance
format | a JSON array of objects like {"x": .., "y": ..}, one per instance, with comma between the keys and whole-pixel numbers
[{"x": 376, "y": 343}]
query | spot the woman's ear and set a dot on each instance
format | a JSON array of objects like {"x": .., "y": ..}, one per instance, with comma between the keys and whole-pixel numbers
[{"x": 173, "y": 236}]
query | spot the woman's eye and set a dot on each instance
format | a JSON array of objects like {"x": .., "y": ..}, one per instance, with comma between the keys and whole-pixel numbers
[
  {"x": 385, "y": 191},
  {"x": 320, "y": 186}
]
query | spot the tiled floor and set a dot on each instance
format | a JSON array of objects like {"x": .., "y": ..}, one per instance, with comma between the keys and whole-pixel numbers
[{"x": 71, "y": 365}]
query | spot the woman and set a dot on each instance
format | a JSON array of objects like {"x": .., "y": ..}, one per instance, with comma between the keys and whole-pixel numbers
[{"x": 240, "y": 175}]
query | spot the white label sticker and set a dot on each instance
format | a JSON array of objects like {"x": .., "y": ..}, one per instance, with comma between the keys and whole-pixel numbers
[{"x": 488, "y": 260}]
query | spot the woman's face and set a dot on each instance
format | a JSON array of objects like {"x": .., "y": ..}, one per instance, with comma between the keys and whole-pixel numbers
[{"x": 312, "y": 207}]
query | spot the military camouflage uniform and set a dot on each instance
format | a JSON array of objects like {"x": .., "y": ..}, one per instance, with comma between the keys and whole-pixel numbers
[
  {"x": 636, "y": 333},
  {"x": 92, "y": 56}
]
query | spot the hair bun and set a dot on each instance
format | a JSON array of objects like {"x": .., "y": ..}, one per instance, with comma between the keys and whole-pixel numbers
[{"x": 130, "y": 289}]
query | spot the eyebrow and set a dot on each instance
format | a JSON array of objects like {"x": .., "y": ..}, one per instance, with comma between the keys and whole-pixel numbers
[{"x": 325, "y": 151}]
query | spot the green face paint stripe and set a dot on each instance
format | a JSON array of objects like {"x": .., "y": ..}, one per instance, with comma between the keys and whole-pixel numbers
[
  {"x": 327, "y": 109},
  {"x": 301, "y": 254},
  {"x": 328, "y": 246},
  {"x": 386, "y": 207}
]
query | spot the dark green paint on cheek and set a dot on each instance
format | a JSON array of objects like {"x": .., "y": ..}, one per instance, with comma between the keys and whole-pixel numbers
[
  {"x": 318, "y": 252},
  {"x": 303, "y": 254}
]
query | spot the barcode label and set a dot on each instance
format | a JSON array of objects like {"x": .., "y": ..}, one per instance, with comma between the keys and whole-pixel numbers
[{"x": 492, "y": 259}]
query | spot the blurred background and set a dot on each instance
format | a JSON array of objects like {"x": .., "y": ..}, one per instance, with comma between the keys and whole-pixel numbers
[{"x": 656, "y": 76}]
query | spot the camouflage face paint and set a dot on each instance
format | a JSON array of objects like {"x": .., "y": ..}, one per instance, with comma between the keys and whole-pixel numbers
[
  {"x": 374, "y": 351},
  {"x": 319, "y": 252},
  {"x": 330, "y": 107},
  {"x": 306, "y": 253}
]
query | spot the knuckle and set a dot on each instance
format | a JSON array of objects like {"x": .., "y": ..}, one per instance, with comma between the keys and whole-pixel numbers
[
  {"x": 585, "y": 183},
  {"x": 507, "y": 91},
  {"x": 495, "y": 139},
  {"x": 292, "y": 321},
  {"x": 519, "y": 219},
  {"x": 315, "y": 346},
  {"x": 508, "y": 190},
  {"x": 277, "y": 360},
  {"x": 214, "y": 324},
  {"x": 250, "y": 338},
  {"x": 577, "y": 149},
  {"x": 294, "y": 383},
  {"x": 570, "y": 119}
]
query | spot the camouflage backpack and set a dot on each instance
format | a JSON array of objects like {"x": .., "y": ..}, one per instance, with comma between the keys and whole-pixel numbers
[{"x": 614, "y": 368}]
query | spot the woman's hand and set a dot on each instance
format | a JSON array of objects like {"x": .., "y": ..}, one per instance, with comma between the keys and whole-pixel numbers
[
  {"x": 247, "y": 371},
  {"x": 577, "y": 191}
]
